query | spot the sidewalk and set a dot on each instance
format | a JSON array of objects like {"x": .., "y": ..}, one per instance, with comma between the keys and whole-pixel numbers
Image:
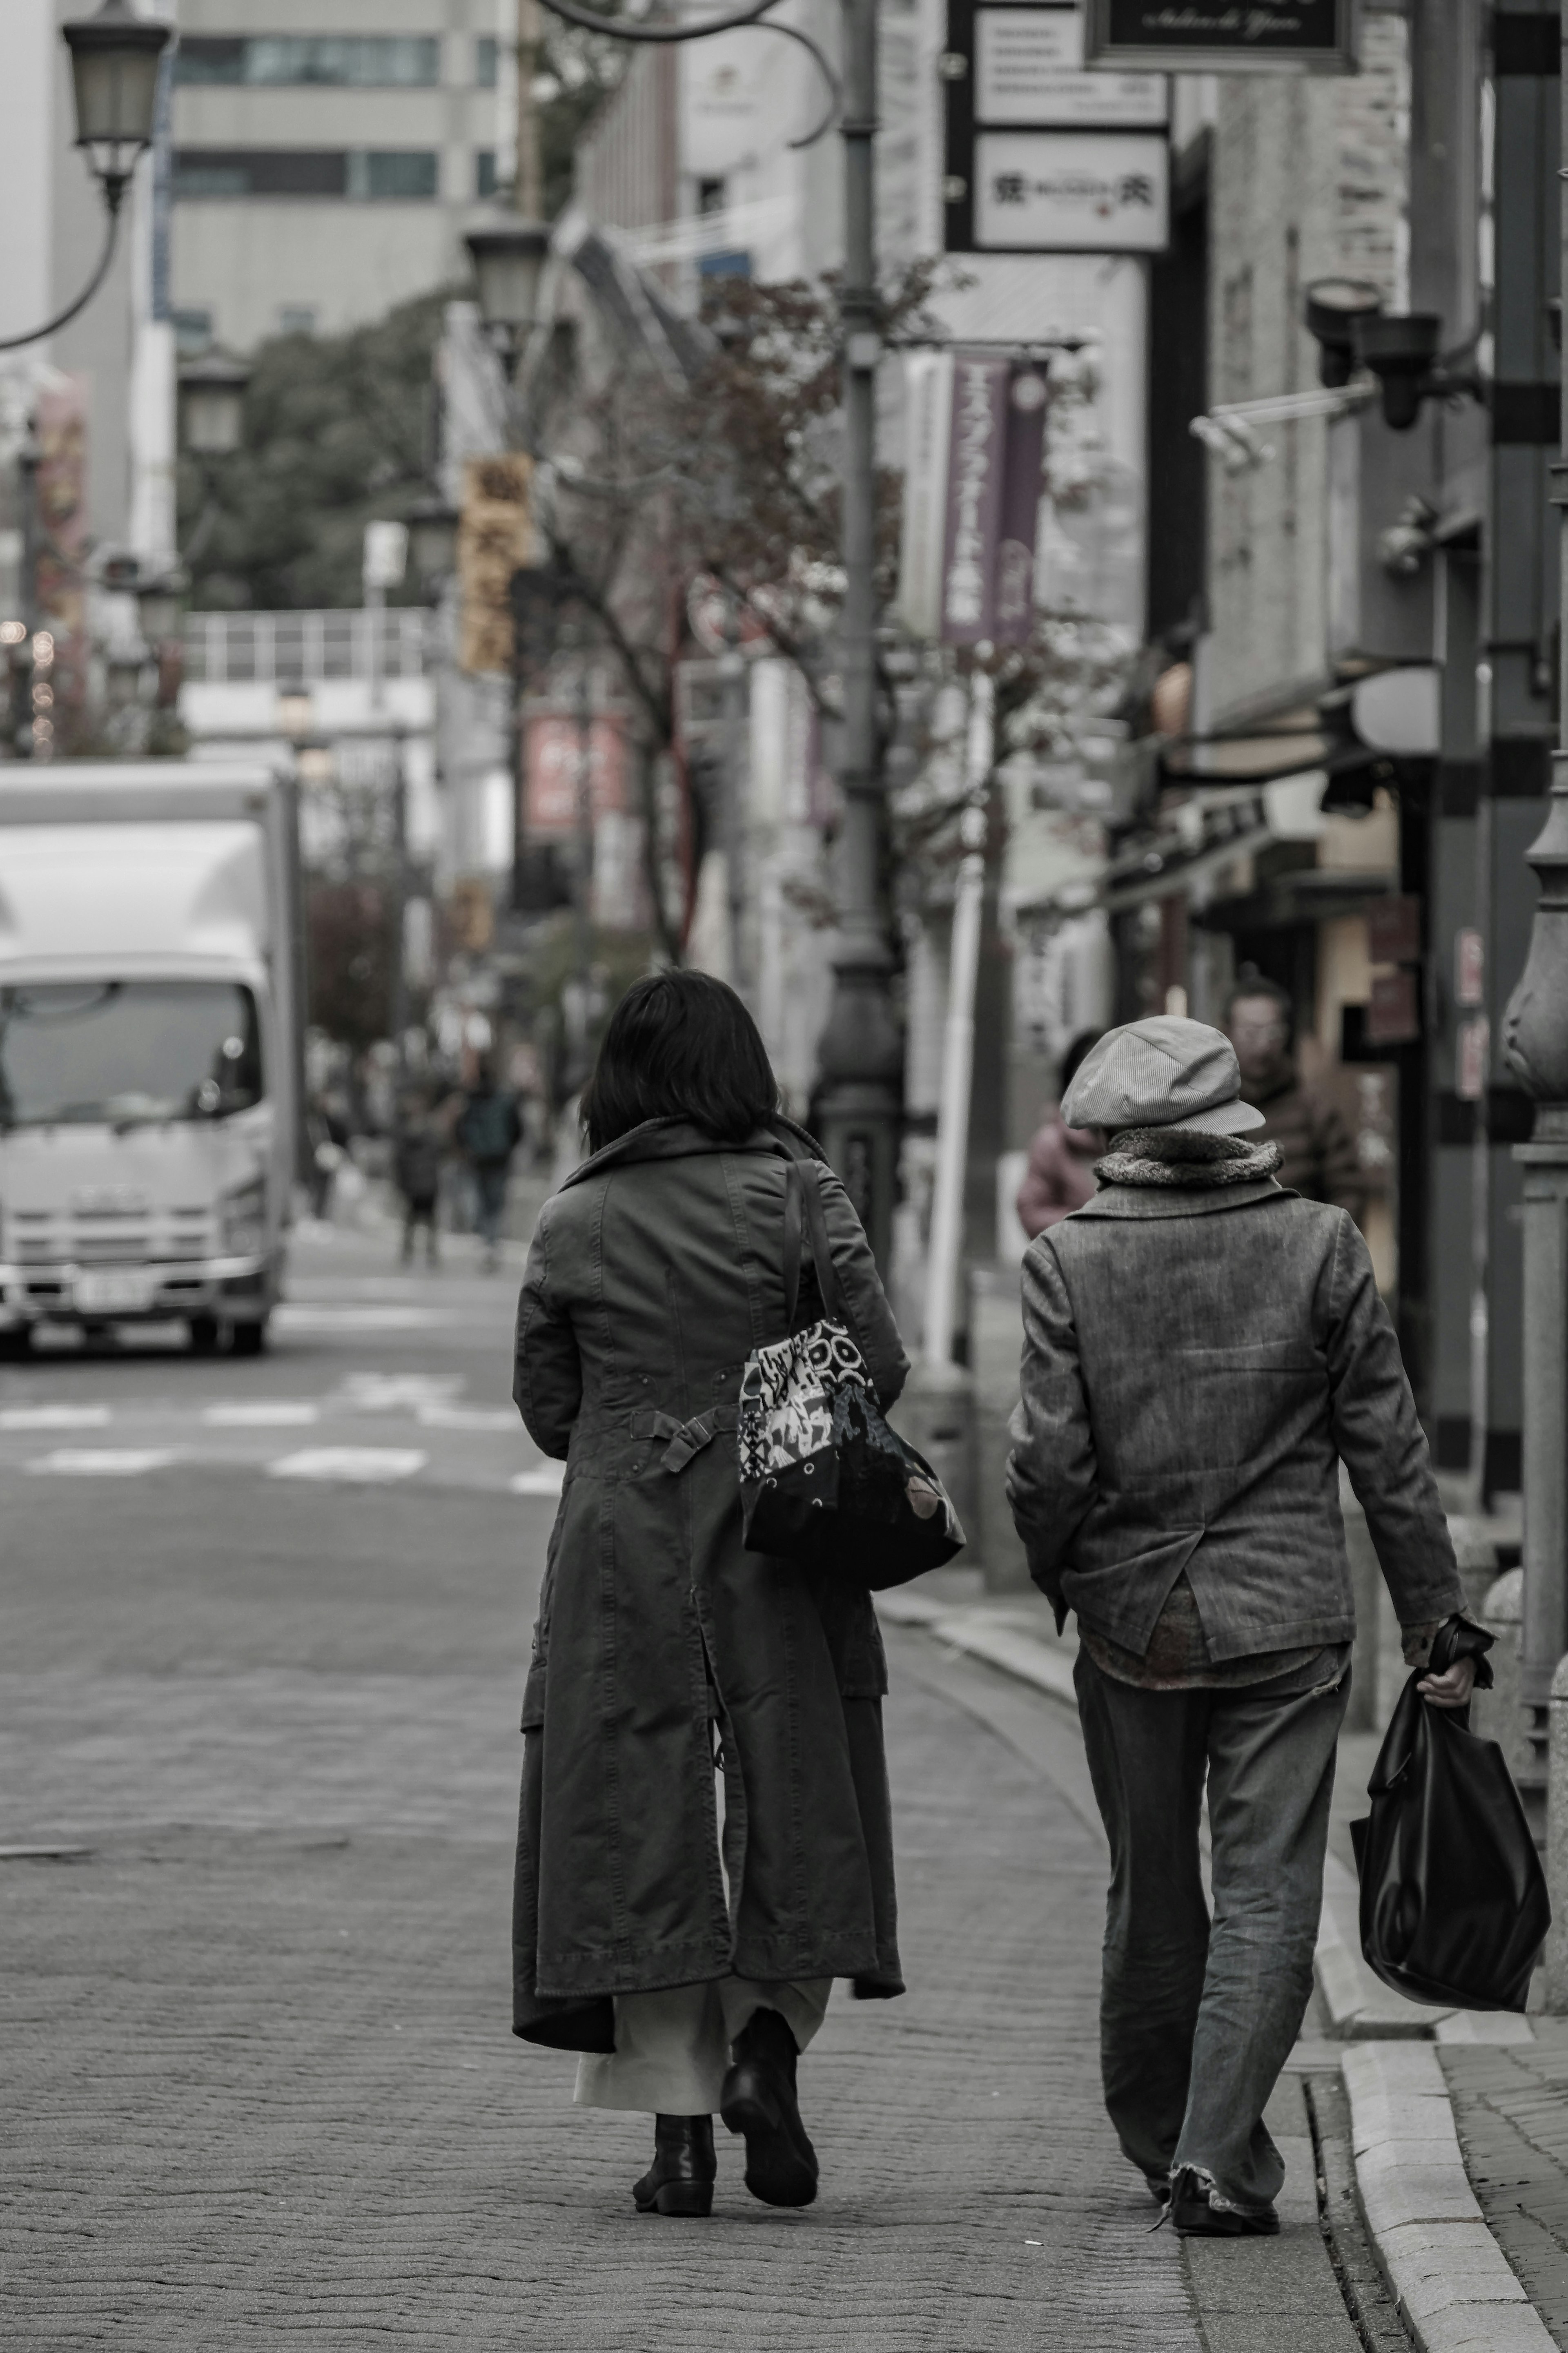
[{"x": 1457, "y": 2120}]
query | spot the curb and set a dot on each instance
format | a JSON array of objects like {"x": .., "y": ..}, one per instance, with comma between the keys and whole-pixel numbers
[
  {"x": 982, "y": 1634},
  {"x": 1450, "y": 2279}
]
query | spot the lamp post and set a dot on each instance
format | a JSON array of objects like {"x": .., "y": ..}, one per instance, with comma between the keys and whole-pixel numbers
[
  {"x": 114, "y": 82},
  {"x": 509, "y": 256},
  {"x": 212, "y": 391}
]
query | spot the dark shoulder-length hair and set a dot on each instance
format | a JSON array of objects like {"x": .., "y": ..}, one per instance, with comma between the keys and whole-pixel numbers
[{"x": 680, "y": 1045}]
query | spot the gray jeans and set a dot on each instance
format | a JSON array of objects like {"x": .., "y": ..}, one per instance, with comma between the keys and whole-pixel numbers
[{"x": 1196, "y": 2019}]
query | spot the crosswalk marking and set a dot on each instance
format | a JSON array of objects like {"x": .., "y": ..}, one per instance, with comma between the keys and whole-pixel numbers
[
  {"x": 54, "y": 1416},
  {"x": 467, "y": 1417},
  {"x": 380, "y": 1392},
  {"x": 373, "y": 1465},
  {"x": 547, "y": 1479},
  {"x": 262, "y": 1413},
  {"x": 104, "y": 1461},
  {"x": 302, "y": 1315}
]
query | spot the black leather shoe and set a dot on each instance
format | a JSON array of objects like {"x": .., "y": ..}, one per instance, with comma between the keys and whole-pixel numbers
[
  {"x": 680, "y": 2178},
  {"x": 1196, "y": 2217},
  {"x": 759, "y": 2100}
]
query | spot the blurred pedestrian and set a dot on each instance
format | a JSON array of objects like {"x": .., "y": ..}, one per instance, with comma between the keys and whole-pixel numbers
[
  {"x": 1201, "y": 1349},
  {"x": 419, "y": 1146},
  {"x": 1317, "y": 1151},
  {"x": 326, "y": 1137},
  {"x": 1060, "y": 1174},
  {"x": 705, "y": 1839},
  {"x": 488, "y": 1129}
]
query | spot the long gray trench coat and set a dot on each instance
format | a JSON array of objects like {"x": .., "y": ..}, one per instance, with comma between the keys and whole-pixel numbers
[{"x": 654, "y": 1272}]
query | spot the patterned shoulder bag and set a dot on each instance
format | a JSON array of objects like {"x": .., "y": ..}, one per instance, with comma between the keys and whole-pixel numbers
[{"x": 824, "y": 1480}]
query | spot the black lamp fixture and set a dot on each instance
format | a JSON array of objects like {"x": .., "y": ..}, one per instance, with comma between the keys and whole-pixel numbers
[
  {"x": 432, "y": 537},
  {"x": 1402, "y": 352},
  {"x": 114, "y": 80},
  {"x": 509, "y": 255},
  {"x": 1334, "y": 307},
  {"x": 158, "y": 602},
  {"x": 212, "y": 404},
  {"x": 114, "y": 77},
  {"x": 1353, "y": 330}
]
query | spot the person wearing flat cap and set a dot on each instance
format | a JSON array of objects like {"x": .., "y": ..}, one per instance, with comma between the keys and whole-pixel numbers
[{"x": 1202, "y": 1347}]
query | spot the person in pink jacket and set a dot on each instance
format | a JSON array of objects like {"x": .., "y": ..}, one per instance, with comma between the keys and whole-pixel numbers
[{"x": 1059, "y": 1177}]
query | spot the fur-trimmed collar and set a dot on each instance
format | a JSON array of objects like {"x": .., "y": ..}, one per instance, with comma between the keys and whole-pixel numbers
[{"x": 1185, "y": 1156}]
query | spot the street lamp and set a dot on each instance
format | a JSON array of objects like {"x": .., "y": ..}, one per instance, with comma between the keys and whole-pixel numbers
[
  {"x": 114, "y": 77},
  {"x": 508, "y": 257},
  {"x": 158, "y": 606},
  {"x": 212, "y": 404},
  {"x": 432, "y": 538}
]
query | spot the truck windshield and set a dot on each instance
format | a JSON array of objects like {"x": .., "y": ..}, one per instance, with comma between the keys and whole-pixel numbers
[{"x": 126, "y": 1052}]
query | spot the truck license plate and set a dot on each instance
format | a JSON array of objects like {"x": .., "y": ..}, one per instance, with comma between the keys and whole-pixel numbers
[{"x": 128, "y": 1294}]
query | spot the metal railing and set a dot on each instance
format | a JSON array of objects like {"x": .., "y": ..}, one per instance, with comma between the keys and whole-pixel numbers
[{"x": 299, "y": 648}]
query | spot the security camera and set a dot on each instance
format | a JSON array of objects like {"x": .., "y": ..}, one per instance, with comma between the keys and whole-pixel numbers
[{"x": 1333, "y": 305}]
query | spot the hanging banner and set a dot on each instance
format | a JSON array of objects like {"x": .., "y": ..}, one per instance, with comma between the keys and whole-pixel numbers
[
  {"x": 496, "y": 537},
  {"x": 928, "y": 425},
  {"x": 977, "y": 439},
  {"x": 563, "y": 760},
  {"x": 977, "y": 424},
  {"x": 1223, "y": 36},
  {"x": 1022, "y": 461}
]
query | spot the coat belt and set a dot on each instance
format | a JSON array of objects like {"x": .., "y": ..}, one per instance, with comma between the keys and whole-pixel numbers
[{"x": 685, "y": 1437}]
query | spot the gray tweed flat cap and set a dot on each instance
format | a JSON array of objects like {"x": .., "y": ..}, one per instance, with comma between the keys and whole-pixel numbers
[{"x": 1163, "y": 1073}]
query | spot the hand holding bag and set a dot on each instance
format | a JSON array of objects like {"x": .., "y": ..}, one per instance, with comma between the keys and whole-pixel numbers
[
  {"x": 824, "y": 1480},
  {"x": 1454, "y": 1906}
]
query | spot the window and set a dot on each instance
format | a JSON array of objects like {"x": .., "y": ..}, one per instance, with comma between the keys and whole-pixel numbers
[
  {"x": 377, "y": 172},
  {"x": 296, "y": 319},
  {"x": 484, "y": 171},
  {"x": 485, "y": 61},
  {"x": 400, "y": 61},
  {"x": 259, "y": 172},
  {"x": 193, "y": 331},
  {"x": 364, "y": 173},
  {"x": 126, "y": 1052}
]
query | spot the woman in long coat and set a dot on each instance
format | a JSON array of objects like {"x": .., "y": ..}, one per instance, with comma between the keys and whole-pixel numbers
[{"x": 705, "y": 1839}]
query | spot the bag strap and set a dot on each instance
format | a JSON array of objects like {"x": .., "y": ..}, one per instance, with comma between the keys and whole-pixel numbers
[
  {"x": 805, "y": 1177},
  {"x": 792, "y": 1239}
]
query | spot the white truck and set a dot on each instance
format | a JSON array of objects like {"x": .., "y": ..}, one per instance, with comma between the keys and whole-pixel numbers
[{"x": 150, "y": 1028}]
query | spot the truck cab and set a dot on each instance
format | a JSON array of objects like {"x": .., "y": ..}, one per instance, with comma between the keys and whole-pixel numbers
[{"x": 149, "y": 1095}]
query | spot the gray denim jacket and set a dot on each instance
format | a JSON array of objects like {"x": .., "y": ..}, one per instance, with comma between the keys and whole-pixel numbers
[{"x": 1196, "y": 1361}]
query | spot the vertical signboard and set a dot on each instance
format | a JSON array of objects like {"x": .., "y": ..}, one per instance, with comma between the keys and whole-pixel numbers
[
  {"x": 975, "y": 442},
  {"x": 1043, "y": 156}
]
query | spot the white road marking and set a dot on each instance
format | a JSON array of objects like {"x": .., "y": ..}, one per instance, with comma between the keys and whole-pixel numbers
[
  {"x": 54, "y": 1416},
  {"x": 370, "y": 1464},
  {"x": 103, "y": 1462},
  {"x": 377, "y": 1392},
  {"x": 262, "y": 1413},
  {"x": 547, "y": 1479},
  {"x": 306, "y": 1316},
  {"x": 468, "y": 1417}
]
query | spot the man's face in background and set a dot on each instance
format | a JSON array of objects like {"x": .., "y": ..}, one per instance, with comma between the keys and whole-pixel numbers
[{"x": 1261, "y": 1031}]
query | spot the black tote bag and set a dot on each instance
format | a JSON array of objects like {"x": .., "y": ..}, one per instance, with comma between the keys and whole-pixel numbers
[
  {"x": 824, "y": 1480},
  {"x": 1453, "y": 1899}
]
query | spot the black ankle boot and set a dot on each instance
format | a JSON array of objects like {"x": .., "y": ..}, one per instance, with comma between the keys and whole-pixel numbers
[
  {"x": 680, "y": 2178},
  {"x": 759, "y": 2100}
]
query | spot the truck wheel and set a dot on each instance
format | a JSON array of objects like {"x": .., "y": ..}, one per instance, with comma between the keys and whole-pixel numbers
[
  {"x": 204, "y": 1335},
  {"x": 250, "y": 1339}
]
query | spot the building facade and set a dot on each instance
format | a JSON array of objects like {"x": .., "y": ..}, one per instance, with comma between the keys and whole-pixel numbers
[{"x": 325, "y": 156}]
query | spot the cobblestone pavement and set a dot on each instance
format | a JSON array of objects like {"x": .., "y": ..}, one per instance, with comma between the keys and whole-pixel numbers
[
  {"x": 260, "y": 2084},
  {"x": 1510, "y": 2105}
]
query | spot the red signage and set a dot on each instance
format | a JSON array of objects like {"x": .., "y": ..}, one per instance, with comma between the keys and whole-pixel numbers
[{"x": 567, "y": 763}]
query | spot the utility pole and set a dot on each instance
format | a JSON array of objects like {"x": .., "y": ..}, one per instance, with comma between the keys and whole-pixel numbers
[
  {"x": 1535, "y": 1048},
  {"x": 860, "y": 1054}
]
